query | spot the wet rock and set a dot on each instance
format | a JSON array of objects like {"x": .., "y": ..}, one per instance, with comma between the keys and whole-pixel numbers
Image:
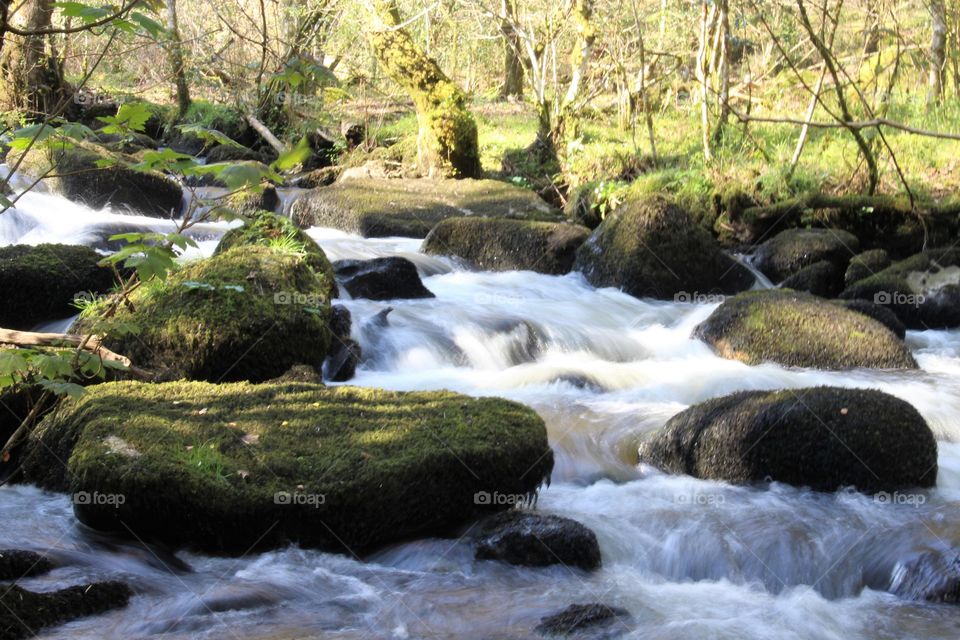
[
  {"x": 388, "y": 278},
  {"x": 228, "y": 467},
  {"x": 376, "y": 208},
  {"x": 923, "y": 290},
  {"x": 250, "y": 203},
  {"x": 39, "y": 283},
  {"x": 344, "y": 359},
  {"x": 586, "y": 621},
  {"x": 341, "y": 321},
  {"x": 931, "y": 576},
  {"x": 131, "y": 143},
  {"x": 881, "y": 314},
  {"x": 790, "y": 251},
  {"x": 800, "y": 330},
  {"x": 323, "y": 177},
  {"x": 863, "y": 265},
  {"x": 75, "y": 174},
  {"x": 824, "y": 438},
  {"x": 24, "y": 612},
  {"x": 823, "y": 279},
  {"x": 497, "y": 244},
  {"x": 536, "y": 540},
  {"x": 15, "y": 564},
  {"x": 652, "y": 248}
]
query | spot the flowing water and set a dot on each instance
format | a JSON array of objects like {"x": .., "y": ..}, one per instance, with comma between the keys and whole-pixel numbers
[{"x": 687, "y": 558}]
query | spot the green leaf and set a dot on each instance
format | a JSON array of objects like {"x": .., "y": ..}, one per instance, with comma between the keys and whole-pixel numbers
[
  {"x": 165, "y": 160},
  {"x": 291, "y": 158},
  {"x": 86, "y": 13},
  {"x": 12, "y": 362},
  {"x": 23, "y": 138},
  {"x": 152, "y": 27},
  {"x": 131, "y": 116},
  {"x": 62, "y": 388},
  {"x": 209, "y": 136}
]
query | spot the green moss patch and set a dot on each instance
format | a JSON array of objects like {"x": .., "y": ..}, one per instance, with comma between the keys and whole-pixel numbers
[
  {"x": 226, "y": 468},
  {"x": 383, "y": 207}
]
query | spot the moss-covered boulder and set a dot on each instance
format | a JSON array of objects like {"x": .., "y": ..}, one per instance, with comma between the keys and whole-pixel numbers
[
  {"x": 790, "y": 251},
  {"x": 40, "y": 282},
  {"x": 251, "y": 202},
  {"x": 265, "y": 229},
  {"x": 824, "y": 438},
  {"x": 74, "y": 173},
  {"x": 234, "y": 153},
  {"x": 923, "y": 290},
  {"x": 863, "y": 265},
  {"x": 230, "y": 467},
  {"x": 881, "y": 314},
  {"x": 249, "y": 313},
  {"x": 800, "y": 330},
  {"x": 23, "y": 613},
  {"x": 387, "y": 278},
  {"x": 500, "y": 244},
  {"x": 411, "y": 208},
  {"x": 650, "y": 247},
  {"x": 823, "y": 279}
]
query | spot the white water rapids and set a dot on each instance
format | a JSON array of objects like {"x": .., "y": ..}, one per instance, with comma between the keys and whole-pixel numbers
[{"x": 687, "y": 558}]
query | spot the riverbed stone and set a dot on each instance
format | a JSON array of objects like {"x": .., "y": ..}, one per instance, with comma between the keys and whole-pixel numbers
[
  {"x": 793, "y": 249},
  {"x": 24, "y": 612},
  {"x": 593, "y": 620},
  {"x": 537, "y": 540},
  {"x": 16, "y": 564},
  {"x": 651, "y": 247},
  {"x": 823, "y": 279},
  {"x": 824, "y": 438},
  {"x": 798, "y": 329},
  {"x": 376, "y": 208},
  {"x": 387, "y": 278},
  {"x": 863, "y": 265},
  {"x": 499, "y": 244},
  {"x": 229, "y": 467}
]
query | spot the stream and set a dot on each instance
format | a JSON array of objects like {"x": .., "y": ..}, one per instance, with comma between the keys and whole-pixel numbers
[{"x": 687, "y": 558}]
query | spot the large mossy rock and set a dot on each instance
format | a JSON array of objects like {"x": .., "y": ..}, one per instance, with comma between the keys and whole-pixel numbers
[
  {"x": 863, "y": 265},
  {"x": 376, "y": 208},
  {"x": 800, "y": 330},
  {"x": 226, "y": 468},
  {"x": 652, "y": 248},
  {"x": 74, "y": 173},
  {"x": 790, "y": 251},
  {"x": 249, "y": 313},
  {"x": 499, "y": 244},
  {"x": 824, "y": 438},
  {"x": 39, "y": 283},
  {"x": 923, "y": 290},
  {"x": 251, "y": 202}
]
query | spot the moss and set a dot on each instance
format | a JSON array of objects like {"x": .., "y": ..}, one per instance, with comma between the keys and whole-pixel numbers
[
  {"x": 650, "y": 247},
  {"x": 74, "y": 174},
  {"x": 245, "y": 314},
  {"x": 790, "y": 251},
  {"x": 863, "y": 265},
  {"x": 249, "y": 202},
  {"x": 388, "y": 465},
  {"x": 823, "y": 278},
  {"x": 23, "y": 613},
  {"x": 223, "y": 118},
  {"x": 411, "y": 208},
  {"x": 497, "y": 244},
  {"x": 40, "y": 282},
  {"x": 824, "y": 438},
  {"x": 800, "y": 330}
]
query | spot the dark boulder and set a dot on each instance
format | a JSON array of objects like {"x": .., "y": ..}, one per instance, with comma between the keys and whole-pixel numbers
[
  {"x": 931, "y": 576},
  {"x": 586, "y": 621},
  {"x": 823, "y": 279},
  {"x": 41, "y": 282},
  {"x": 652, "y": 248},
  {"x": 500, "y": 244},
  {"x": 251, "y": 202},
  {"x": 390, "y": 278},
  {"x": 800, "y": 330},
  {"x": 790, "y": 251},
  {"x": 23, "y": 612},
  {"x": 16, "y": 564},
  {"x": 535, "y": 540},
  {"x": 824, "y": 438}
]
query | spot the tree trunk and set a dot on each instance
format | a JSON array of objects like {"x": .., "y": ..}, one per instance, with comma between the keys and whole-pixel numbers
[
  {"x": 175, "y": 52},
  {"x": 512, "y": 66},
  {"x": 447, "y": 144},
  {"x": 723, "y": 67},
  {"x": 31, "y": 80},
  {"x": 938, "y": 51}
]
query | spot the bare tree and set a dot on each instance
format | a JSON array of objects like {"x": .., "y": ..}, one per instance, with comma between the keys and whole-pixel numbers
[
  {"x": 512, "y": 64},
  {"x": 938, "y": 51},
  {"x": 175, "y": 53}
]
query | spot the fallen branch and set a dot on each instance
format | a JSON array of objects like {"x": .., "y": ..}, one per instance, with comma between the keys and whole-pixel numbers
[
  {"x": 266, "y": 134},
  {"x": 33, "y": 339}
]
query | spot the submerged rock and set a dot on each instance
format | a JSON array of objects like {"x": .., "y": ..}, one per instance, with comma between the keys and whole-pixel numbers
[
  {"x": 790, "y": 251},
  {"x": 376, "y": 208},
  {"x": 15, "y": 564},
  {"x": 249, "y": 313},
  {"x": 923, "y": 290},
  {"x": 800, "y": 330},
  {"x": 23, "y": 612},
  {"x": 824, "y": 438},
  {"x": 586, "y": 621},
  {"x": 536, "y": 540},
  {"x": 39, "y": 283},
  {"x": 228, "y": 467},
  {"x": 931, "y": 576},
  {"x": 74, "y": 173},
  {"x": 388, "y": 278},
  {"x": 652, "y": 248},
  {"x": 497, "y": 244}
]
